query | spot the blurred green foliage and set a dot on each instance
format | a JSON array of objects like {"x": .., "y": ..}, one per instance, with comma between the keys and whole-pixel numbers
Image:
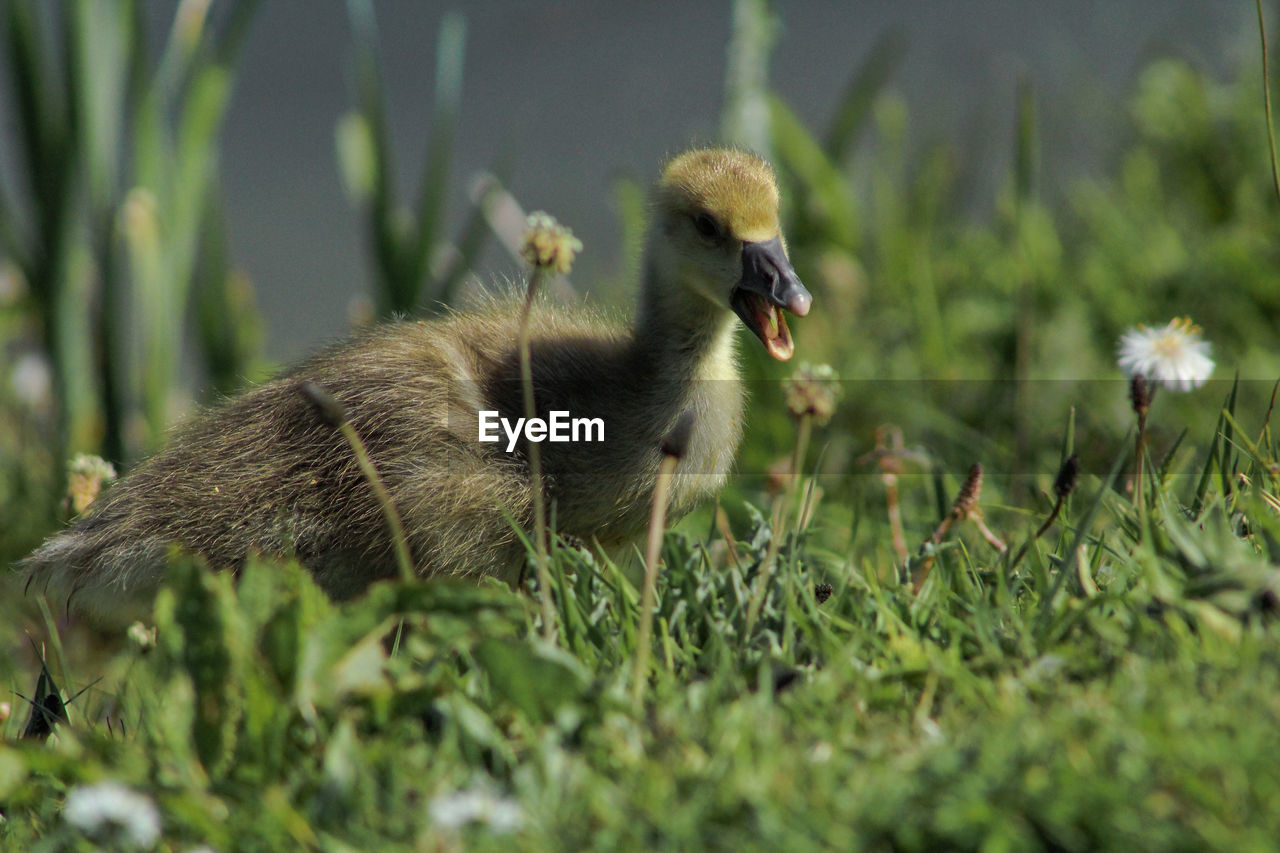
[
  {"x": 1122, "y": 700},
  {"x": 415, "y": 269},
  {"x": 114, "y": 221},
  {"x": 1109, "y": 685},
  {"x": 1036, "y": 298},
  {"x": 112, "y": 229}
]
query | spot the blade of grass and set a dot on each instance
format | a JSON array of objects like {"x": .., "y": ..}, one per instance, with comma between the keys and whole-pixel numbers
[
  {"x": 1069, "y": 436},
  {"x": 802, "y": 155},
  {"x": 1240, "y": 440},
  {"x": 12, "y": 238},
  {"x": 235, "y": 32},
  {"x": 1227, "y": 456},
  {"x": 1068, "y": 564},
  {"x": 1264, "y": 434},
  {"x": 471, "y": 241},
  {"x": 97, "y": 49},
  {"x": 1266, "y": 99},
  {"x": 860, "y": 92},
  {"x": 1206, "y": 473},
  {"x": 746, "y": 86},
  {"x": 387, "y": 248},
  {"x": 1068, "y": 450},
  {"x": 1026, "y": 145},
  {"x": 42, "y": 125},
  {"x": 433, "y": 195},
  {"x": 196, "y": 161}
]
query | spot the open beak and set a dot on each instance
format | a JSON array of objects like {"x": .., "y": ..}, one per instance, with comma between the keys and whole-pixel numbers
[{"x": 768, "y": 284}]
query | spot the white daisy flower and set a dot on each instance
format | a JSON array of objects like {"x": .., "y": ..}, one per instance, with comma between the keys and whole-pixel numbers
[
  {"x": 110, "y": 812},
  {"x": 1174, "y": 356},
  {"x": 476, "y": 805}
]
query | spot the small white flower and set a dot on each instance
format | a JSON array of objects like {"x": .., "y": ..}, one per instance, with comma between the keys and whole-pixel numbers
[
  {"x": 821, "y": 753},
  {"x": 476, "y": 805},
  {"x": 32, "y": 381},
  {"x": 142, "y": 636},
  {"x": 1174, "y": 355},
  {"x": 930, "y": 731},
  {"x": 110, "y": 812}
]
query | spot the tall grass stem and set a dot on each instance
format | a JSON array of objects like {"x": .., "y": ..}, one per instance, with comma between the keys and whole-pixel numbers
[
  {"x": 332, "y": 413},
  {"x": 653, "y": 553},
  {"x": 535, "y": 462},
  {"x": 778, "y": 518},
  {"x": 1266, "y": 99},
  {"x": 803, "y": 434}
]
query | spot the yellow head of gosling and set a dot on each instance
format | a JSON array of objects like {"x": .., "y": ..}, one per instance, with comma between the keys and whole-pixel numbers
[{"x": 717, "y": 237}]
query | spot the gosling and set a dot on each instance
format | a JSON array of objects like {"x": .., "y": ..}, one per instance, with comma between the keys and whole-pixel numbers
[{"x": 263, "y": 474}]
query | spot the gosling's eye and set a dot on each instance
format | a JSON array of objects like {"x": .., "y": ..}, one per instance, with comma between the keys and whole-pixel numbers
[{"x": 705, "y": 224}]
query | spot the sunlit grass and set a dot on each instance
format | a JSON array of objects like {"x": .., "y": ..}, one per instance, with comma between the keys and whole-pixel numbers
[{"x": 973, "y": 608}]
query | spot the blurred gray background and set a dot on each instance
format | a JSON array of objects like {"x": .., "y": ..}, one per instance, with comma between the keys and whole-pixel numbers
[{"x": 583, "y": 92}]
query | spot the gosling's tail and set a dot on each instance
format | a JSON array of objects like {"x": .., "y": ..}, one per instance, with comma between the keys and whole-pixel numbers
[{"x": 84, "y": 571}]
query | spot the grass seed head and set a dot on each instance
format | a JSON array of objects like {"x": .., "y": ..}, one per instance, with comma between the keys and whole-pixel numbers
[
  {"x": 548, "y": 245},
  {"x": 813, "y": 390},
  {"x": 966, "y": 503},
  {"x": 326, "y": 407},
  {"x": 1140, "y": 394},
  {"x": 1065, "y": 483}
]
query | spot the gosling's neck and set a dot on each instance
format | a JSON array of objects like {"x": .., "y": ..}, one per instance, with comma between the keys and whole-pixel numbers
[{"x": 678, "y": 334}]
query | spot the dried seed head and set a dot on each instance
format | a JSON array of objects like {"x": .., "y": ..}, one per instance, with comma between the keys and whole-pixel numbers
[
  {"x": 549, "y": 245},
  {"x": 326, "y": 407},
  {"x": 676, "y": 442},
  {"x": 812, "y": 390},
  {"x": 86, "y": 475},
  {"x": 1140, "y": 393},
  {"x": 966, "y": 503},
  {"x": 1065, "y": 483},
  {"x": 778, "y": 475},
  {"x": 890, "y": 464}
]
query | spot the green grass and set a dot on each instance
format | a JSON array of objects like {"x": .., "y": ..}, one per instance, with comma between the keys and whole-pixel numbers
[
  {"x": 1124, "y": 698},
  {"x": 1112, "y": 684}
]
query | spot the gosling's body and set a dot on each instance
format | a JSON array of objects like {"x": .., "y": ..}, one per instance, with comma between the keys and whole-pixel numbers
[{"x": 263, "y": 474}]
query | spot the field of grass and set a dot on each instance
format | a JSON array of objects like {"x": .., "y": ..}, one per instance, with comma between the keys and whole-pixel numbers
[{"x": 1073, "y": 645}]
